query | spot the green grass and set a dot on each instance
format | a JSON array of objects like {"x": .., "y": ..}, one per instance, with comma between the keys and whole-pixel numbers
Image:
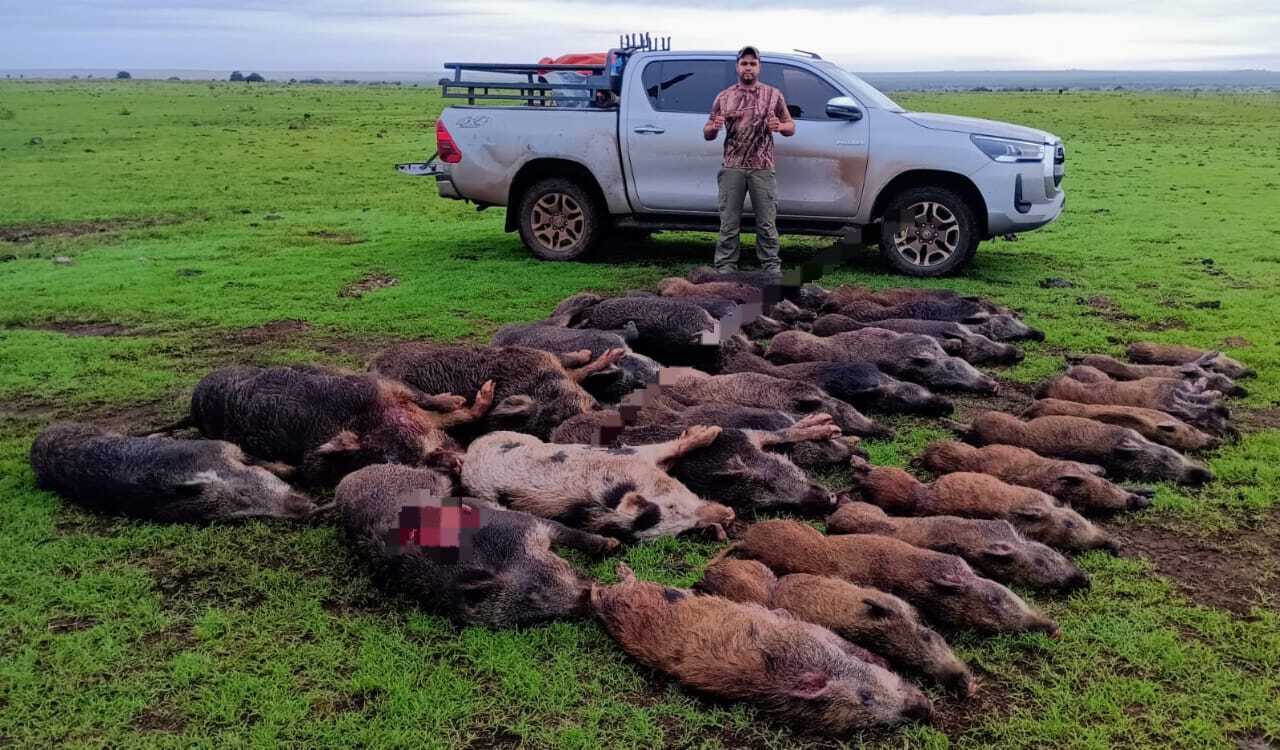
[{"x": 230, "y": 207}]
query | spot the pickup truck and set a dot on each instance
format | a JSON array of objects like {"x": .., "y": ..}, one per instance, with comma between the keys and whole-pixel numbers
[{"x": 627, "y": 155}]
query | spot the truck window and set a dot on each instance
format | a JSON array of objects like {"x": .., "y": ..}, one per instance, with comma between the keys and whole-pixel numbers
[
  {"x": 806, "y": 93},
  {"x": 685, "y": 85}
]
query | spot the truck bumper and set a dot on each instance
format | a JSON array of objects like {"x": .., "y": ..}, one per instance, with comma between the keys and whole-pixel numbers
[{"x": 1020, "y": 197}]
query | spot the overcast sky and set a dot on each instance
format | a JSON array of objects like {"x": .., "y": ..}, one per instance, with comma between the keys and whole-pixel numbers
[{"x": 412, "y": 35}]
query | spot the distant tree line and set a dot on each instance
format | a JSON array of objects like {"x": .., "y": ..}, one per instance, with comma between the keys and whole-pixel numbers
[{"x": 251, "y": 78}]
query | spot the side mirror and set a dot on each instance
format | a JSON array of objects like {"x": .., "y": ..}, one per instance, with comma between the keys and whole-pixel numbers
[{"x": 844, "y": 108}]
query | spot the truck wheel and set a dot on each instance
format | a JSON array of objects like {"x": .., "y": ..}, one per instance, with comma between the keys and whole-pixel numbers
[
  {"x": 559, "y": 220},
  {"x": 928, "y": 231}
]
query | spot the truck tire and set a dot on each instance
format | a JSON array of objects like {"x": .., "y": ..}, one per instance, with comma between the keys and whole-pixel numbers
[
  {"x": 559, "y": 219},
  {"x": 928, "y": 231}
]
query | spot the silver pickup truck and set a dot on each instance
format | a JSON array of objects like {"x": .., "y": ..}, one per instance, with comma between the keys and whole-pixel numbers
[{"x": 620, "y": 149}]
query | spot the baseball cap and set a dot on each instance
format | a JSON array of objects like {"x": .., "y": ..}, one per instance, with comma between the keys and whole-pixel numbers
[{"x": 748, "y": 50}]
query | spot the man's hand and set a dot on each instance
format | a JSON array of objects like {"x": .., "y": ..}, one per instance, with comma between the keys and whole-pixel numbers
[
  {"x": 774, "y": 123},
  {"x": 712, "y": 128},
  {"x": 717, "y": 121}
]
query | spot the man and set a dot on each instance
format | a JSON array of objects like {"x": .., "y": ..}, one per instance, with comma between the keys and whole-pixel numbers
[{"x": 752, "y": 113}]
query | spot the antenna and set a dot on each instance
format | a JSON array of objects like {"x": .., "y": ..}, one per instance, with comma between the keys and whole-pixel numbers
[{"x": 814, "y": 55}]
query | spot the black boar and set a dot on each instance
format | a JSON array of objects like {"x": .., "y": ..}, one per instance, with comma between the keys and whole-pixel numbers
[
  {"x": 973, "y": 495},
  {"x": 629, "y": 372},
  {"x": 1172, "y": 354},
  {"x": 865, "y": 616},
  {"x": 533, "y": 391},
  {"x": 159, "y": 478},
  {"x": 498, "y": 571},
  {"x": 736, "y": 469},
  {"x": 1117, "y": 449},
  {"x": 623, "y": 492},
  {"x": 672, "y": 331},
  {"x": 942, "y": 586},
  {"x": 1154, "y": 425},
  {"x": 954, "y": 338},
  {"x": 793, "y": 670},
  {"x": 329, "y": 422},
  {"x": 993, "y": 547},
  {"x": 1074, "y": 483},
  {"x": 909, "y": 356}
]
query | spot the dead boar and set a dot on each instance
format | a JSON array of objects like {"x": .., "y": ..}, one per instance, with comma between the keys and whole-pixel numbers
[
  {"x": 955, "y": 338},
  {"x": 623, "y": 492},
  {"x": 941, "y": 586},
  {"x": 733, "y": 317},
  {"x": 1079, "y": 485},
  {"x": 471, "y": 561},
  {"x": 672, "y": 331},
  {"x": 742, "y": 294},
  {"x": 955, "y": 309},
  {"x": 879, "y": 622},
  {"x": 689, "y": 387},
  {"x": 861, "y": 384},
  {"x": 329, "y": 422},
  {"x": 1117, "y": 449},
  {"x": 1172, "y": 354},
  {"x": 1154, "y": 425},
  {"x": 159, "y": 478},
  {"x": 629, "y": 372},
  {"x": 1193, "y": 372},
  {"x": 909, "y": 356},
  {"x": 533, "y": 390},
  {"x": 993, "y": 547},
  {"x": 973, "y": 495},
  {"x": 738, "y": 471},
  {"x": 793, "y": 670},
  {"x": 1089, "y": 386}
]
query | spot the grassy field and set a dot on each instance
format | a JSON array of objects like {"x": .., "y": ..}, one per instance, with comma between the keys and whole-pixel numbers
[{"x": 149, "y": 232}]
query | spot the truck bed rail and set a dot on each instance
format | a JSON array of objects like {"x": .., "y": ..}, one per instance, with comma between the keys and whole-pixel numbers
[{"x": 534, "y": 90}]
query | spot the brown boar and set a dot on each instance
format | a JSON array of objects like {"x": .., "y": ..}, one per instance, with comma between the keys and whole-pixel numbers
[
  {"x": 870, "y": 618},
  {"x": 1194, "y": 373},
  {"x": 1117, "y": 449},
  {"x": 623, "y": 492},
  {"x": 909, "y": 356},
  {"x": 793, "y": 670},
  {"x": 159, "y": 478},
  {"x": 955, "y": 338},
  {"x": 973, "y": 495},
  {"x": 498, "y": 571},
  {"x": 1087, "y": 385},
  {"x": 1079, "y": 485},
  {"x": 533, "y": 390},
  {"x": 330, "y": 422},
  {"x": 1172, "y": 354},
  {"x": 954, "y": 309},
  {"x": 1156, "y": 426},
  {"x": 993, "y": 547},
  {"x": 942, "y": 586},
  {"x": 742, "y": 294}
]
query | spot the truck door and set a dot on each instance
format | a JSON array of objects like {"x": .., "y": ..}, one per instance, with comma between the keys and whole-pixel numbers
[
  {"x": 673, "y": 168},
  {"x": 820, "y": 169}
]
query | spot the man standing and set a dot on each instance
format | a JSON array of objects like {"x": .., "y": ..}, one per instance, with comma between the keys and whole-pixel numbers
[{"x": 752, "y": 112}]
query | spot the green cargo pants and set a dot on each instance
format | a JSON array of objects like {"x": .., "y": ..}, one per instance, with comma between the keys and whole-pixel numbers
[{"x": 734, "y": 186}]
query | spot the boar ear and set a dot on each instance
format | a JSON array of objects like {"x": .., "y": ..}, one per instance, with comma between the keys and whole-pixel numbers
[
  {"x": 948, "y": 584},
  {"x": 1075, "y": 480},
  {"x": 1167, "y": 427},
  {"x": 514, "y": 406},
  {"x": 344, "y": 442},
  {"x": 735, "y": 467},
  {"x": 195, "y": 485},
  {"x": 998, "y": 550},
  {"x": 1127, "y": 448},
  {"x": 952, "y": 346},
  {"x": 475, "y": 584},
  {"x": 808, "y": 685},
  {"x": 876, "y": 610},
  {"x": 1030, "y": 512}
]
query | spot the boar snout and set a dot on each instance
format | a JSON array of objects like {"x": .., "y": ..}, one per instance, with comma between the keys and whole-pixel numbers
[
  {"x": 917, "y": 707},
  {"x": 817, "y": 501},
  {"x": 987, "y": 385},
  {"x": 1078, "y": 580},
  {"x": 1196, "y": 474},
  {"x": 1139, "y": 501}
]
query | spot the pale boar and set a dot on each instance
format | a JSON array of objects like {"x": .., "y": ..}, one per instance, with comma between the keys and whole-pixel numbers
[
  {"x": 956, "y": 339},
  {"x": 793, "y": 670},
  {"x": 1079, "y": 485},
  {"x": 1117, "y": 370},
  {"x": 942, "y": 586},
  {"x": 993, "y": 547},
  {"x": 623, "y": 492},
  {"x": 868, "y": 617},
  {"x": 1089, "y": 386},
  {"x": 1172, "y": 354},
  {"x": 1117, "y": 449},
  {"x": 468, "y": 560}
]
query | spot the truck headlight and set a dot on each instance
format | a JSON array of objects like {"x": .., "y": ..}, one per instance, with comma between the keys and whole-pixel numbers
[{"x": 1008, "y": 149}]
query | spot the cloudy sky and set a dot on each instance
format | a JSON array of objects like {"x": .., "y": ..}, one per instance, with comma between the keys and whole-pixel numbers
[{"x": 411, "y": 35}]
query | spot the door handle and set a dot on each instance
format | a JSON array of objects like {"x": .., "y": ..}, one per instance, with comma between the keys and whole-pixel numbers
[{"x": 654, "y": 129}]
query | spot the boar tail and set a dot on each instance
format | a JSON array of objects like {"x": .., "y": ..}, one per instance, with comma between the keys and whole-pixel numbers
[
  {"x": 955, "y": 426},
  {"x": 722, "y": 554},
  {"x": 169, "y": 429}
]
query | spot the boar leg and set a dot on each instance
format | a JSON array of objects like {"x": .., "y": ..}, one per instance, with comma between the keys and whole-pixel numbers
[
  {"x": 582, "y": 541},
  {"x": 570, "y": 360},
  {"x": 480, "y": 407},
  {"x": 445, "y": 402},
  {"x": 664, "y": 454},
  {"x": 813, "y": 427},
  {"x": 606, "y": 360}
]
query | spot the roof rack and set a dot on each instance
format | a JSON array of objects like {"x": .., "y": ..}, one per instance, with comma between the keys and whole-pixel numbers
[{"x": 814, "y": 55}]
